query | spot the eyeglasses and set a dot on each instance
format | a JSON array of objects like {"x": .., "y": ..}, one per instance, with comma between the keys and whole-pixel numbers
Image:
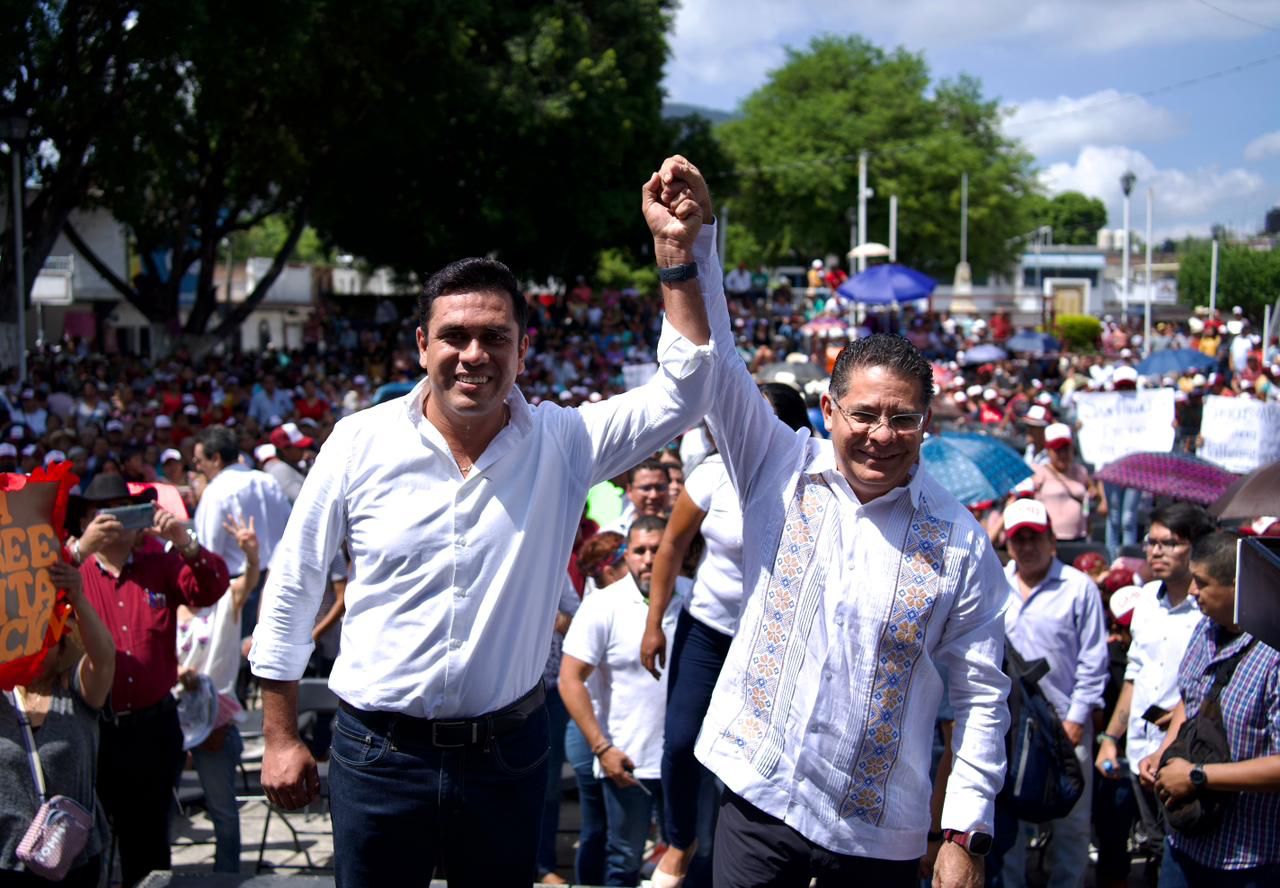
[
  {"x": 865, "y": 422},
  {"x": 1170, "y": 543}
]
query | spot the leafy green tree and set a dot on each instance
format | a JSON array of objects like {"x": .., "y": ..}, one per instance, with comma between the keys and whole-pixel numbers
[
  {"x": 1074, "y": 217},
  {"x": 795, "y": 149},
  {"x": 1246, "y": 277}
]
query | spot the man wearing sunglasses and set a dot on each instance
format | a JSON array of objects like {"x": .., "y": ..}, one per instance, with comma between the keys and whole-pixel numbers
[{"x": 864, "y": 577}]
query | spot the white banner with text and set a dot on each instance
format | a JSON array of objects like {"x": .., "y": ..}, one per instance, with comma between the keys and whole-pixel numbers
[
  {"x": 1240, "y": 434},
  {"x": 1115, "y": 424}
]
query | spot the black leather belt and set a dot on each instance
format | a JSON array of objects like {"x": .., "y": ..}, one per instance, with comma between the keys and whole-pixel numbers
[{"x": 451, "y": 733}]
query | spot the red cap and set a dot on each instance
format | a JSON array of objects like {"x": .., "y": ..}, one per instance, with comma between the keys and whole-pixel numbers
[{"x": 289, "y": 436}]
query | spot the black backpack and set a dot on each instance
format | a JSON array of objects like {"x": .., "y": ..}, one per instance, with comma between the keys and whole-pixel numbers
[{"x": 1044, "y": 780}]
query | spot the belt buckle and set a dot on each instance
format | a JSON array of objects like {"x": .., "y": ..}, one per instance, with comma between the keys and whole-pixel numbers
[{"x": 440, "y": 744}]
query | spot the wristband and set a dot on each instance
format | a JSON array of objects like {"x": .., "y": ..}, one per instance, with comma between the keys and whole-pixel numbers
[
  {"x": 1105, "y": 736},
  {"x": 677, "y": 273},
  {"x": 602, "y": 750}
]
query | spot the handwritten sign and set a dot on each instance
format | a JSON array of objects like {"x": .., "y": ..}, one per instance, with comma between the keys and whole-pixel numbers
[
  {"x": 1240, "y": 434},
  {"x": 28, "y": 547},
  {"x": 1115, "y": 424}
]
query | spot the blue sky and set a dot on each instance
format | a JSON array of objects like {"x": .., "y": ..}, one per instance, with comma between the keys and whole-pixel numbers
[{"x": 1092, "y": 87}]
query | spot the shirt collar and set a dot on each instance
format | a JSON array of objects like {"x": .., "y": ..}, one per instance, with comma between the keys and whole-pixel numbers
[{"x": 520, "y": 419}]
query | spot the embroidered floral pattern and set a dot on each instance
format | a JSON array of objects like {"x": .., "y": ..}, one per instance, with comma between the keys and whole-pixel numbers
[
  {"x": 919, "y": 578},
  {"x": 764, "y": 666}
]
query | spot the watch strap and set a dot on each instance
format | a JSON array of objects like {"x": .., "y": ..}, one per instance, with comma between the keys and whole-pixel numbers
[{"x": 677, "y": 273}]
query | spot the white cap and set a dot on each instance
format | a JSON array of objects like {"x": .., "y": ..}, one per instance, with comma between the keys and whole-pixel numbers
[
  {"x": 1025, "y": 487},
  {"x": 264, "y": 452},
  {"x": 54, "y": 456},
  {"x": 1037, "y": 415},
  {"x": 1125, "y": 373},
  {"x": 1027, "y": 513},
  {"x": 1123, "y": 601},
  {"x": 191, "y": 410},
  {"x": 7, "y": 449},
  {"x": 974, "y": 391},
  {"x": 1057, "y": 434},
  {"x": 164, "y": 422},
  {"x": 169, "y": 454},
  {"x": 115, "y": 425},
  {"x": 989, "y": 394}
]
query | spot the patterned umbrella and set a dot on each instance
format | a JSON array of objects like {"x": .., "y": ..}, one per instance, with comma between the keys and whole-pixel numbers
[
  {"x": 973, "y": 468},
  {"x": 1177, "y": 475}
]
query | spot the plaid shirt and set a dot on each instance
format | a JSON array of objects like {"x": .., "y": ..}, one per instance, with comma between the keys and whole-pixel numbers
[{"x": 1250, "y": 704}]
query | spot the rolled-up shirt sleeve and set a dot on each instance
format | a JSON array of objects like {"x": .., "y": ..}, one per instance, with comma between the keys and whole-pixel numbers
[
  {"x": 282, "y": 642},
  {"x": 972, "y": 649},
  {"x": 202, "y": 580}
]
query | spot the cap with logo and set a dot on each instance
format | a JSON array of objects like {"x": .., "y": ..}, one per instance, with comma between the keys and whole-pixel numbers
[{"x": 1025, "y": 513}]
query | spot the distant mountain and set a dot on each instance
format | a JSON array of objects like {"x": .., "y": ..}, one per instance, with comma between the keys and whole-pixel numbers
[{"x": 680, "y": 109}]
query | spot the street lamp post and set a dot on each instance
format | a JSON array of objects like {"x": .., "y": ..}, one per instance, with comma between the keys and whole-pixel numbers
[
  {"x": 14, "y": 130},
  {"x": 1126, "y": 184}
]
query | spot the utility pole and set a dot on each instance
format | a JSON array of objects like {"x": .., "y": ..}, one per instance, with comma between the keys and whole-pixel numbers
[
  {"x": 1126, "y": 185},
  {"x": 1146, "y": 320},
  {"x": 1213, "y": 282},
  {"x": 893, "y": 228},
  {"x": 862, "y": 207}
]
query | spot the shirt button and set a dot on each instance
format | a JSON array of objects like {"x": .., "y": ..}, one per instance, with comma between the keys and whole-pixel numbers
[
  {"x": 800, "y": 779},
  {"x": 455, "y": 643},
  {"x": 816, "y": 729},
  {"x": 459, "y": 592},
  {"x": 129, "y": 680},
  {"x": 124, "y": 628},
  {"x": 839, "y": 620},
  {"x": 122, "y": 604},
  {"x": 826, "y": 676}
]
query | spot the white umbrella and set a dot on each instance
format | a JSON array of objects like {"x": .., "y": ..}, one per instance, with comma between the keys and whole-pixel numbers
[{"x": 870, "y": 250}]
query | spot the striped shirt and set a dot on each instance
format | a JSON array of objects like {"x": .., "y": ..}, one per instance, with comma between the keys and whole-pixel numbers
[{"x": 1250, "y": 704}]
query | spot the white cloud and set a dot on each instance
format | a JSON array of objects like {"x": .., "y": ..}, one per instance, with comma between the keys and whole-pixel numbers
[
  {"x": 1267, "y": 145},
  {"x": 1052, "y": 127},
  {"x": 725, "y": 47},
  {"x": 1186, "y": 202}
]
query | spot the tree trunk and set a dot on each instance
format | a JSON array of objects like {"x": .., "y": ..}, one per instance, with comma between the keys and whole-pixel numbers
[{"x": 241, "y": 312}]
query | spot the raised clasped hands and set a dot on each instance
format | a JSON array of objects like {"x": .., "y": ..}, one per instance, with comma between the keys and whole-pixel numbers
[{"x": 675, "y": 202}]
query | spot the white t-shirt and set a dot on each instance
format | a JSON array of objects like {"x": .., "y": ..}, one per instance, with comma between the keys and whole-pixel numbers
[
  {"x": 209, "y": 643},
  {"x": 717, "y": 589},
  {"x": 631, "y": 707}
]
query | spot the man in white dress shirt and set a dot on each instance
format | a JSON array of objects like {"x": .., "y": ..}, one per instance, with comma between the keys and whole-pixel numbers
[
  {"x": 626, "y": 738},
  {"x": 1163, "y": 621},
  {"x": 459, "y": 504},
  {"x": 861, "y": 574}
]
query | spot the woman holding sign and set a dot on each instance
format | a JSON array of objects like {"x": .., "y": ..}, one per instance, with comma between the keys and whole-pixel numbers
[{"x": 62, "y": 707}]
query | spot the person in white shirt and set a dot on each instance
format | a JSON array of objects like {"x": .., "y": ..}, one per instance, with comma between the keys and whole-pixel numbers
[
  {"x": 459, "y": 503},
  {"x": 1163, "y": 621},
  {"x": 861, "y": 572},
  {"x": 1055, "y": 612},
  {"x": 648, "y": 486},
  {"x": 707, "y": 623},
  {"x": 235, "y": 490},
  {"x": 626, "y": 735}
]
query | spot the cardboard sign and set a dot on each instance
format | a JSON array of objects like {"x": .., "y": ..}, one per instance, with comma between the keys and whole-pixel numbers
[
  {"x": 28, "y": 548},
  {"x": 1115, "y": 424},
  {"x": 1240, "y": 434}
]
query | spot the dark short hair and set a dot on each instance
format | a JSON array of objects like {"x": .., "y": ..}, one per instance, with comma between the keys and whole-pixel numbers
[
  {"x": 787, "y": 403},
  {"x": 649, "y": 465},
  {"x": 220, "y": 440},
  {"x": 1187, "y": 520},
  {"x": 473, "y": 275},
  {"x": 883, "y": 350},
  {"x": 646, "y": 523},
  {"x": 1216, "y": 553}
]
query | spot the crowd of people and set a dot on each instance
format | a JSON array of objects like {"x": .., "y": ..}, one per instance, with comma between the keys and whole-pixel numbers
[{"x": 756, "y": 627}]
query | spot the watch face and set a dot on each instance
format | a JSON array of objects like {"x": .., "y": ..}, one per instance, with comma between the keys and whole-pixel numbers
[
  {"x": 979, "y": 844},
  {"x": 1197, "y": 776}
]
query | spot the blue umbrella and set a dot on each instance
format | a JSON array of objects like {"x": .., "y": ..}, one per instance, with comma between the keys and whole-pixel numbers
[
  {"x": 986, "y": 353},
  {"x": 973, "y": 468},
  {"x": 887, "y": 283},
  {"x": 1174, "y": 362},
  {"x": 1030, "y": 342}
]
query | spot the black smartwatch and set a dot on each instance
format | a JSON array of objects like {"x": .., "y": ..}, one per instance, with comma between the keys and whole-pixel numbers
[
  {"x": 1198, "y": 777},
  {"x": 677, "y": 273},
  {"x": 976, "y": 843}
]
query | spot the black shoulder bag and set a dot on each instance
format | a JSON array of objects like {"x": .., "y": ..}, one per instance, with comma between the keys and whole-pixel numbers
[{"x": 1202, "y": 740}]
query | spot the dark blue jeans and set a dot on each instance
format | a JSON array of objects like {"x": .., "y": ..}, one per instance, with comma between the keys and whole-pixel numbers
[
  {"x": 559, "y": 720},
  {"x": 401, "y": 806},
  {"x": 631, "y": 812},
  {"x": 697, "y": 655},
  {"x": 1177, "y": 870},
  {"x": 593, "y": 831}
]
